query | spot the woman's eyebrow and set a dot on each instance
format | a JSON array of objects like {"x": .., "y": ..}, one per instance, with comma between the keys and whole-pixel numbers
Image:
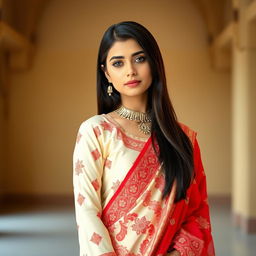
[{"x": 122, "y": 57}]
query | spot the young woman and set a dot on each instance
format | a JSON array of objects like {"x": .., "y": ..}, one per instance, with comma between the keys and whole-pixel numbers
[{"x": 139, "y": 183}]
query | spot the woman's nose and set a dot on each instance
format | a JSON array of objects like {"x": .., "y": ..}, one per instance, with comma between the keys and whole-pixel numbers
[{"x": 131, "y": 70}]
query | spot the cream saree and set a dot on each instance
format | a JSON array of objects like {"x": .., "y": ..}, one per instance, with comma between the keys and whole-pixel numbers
[{"x": 118, "y": 187}]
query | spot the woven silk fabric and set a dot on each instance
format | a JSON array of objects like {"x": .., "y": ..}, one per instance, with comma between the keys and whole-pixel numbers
[{"x": 118, "y": 186}]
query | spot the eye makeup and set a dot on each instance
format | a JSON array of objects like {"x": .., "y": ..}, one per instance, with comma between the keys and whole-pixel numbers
[{"x": 138, "y": 59}]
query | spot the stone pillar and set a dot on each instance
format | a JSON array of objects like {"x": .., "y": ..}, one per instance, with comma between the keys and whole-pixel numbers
[{"x": 244, "y": 123}]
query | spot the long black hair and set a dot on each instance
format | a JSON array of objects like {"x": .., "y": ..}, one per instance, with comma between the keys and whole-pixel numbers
[{"x": 175, "y": 149}]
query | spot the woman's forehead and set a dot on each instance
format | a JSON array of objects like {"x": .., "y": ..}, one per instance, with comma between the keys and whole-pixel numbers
[{"x": 123, "y": 48}]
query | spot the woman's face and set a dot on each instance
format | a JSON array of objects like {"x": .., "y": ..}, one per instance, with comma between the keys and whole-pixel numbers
[{"x": 127, "y": 68}]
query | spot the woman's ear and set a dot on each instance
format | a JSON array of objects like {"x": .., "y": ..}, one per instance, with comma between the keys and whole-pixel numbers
[{"x": 106, "y": 73}]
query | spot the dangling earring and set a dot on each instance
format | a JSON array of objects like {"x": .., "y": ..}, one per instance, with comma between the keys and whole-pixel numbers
[{"x": 110, "y": 90}]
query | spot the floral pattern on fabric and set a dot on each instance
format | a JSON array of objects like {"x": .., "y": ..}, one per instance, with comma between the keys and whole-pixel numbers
[
  {"x": 80, "y": 199},
  {"x": 187, "y": 244},
  {"x": 96, "y": 238},
  {"x": 107, "y": 163},
  {"x": 96, "y": 154},
  {"x": 153, "y": 205},
  {"x": 160, "y": 182},
  {"x": 140, "y": 226},
  {"x": 79, "y": 167},
  {"x": 203, "y": 222},
  {"x": 97, "y": 131},
  {"x": 107, "y": 126},
  {"x": 96, "y": 184}
]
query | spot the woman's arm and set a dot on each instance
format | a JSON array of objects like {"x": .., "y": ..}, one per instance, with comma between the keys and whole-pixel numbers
[{"x": 88, "y": 160}]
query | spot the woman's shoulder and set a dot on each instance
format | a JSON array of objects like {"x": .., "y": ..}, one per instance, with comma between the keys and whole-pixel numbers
[
  {"x": 96, "y": 119},
  {"x": 92, "y": 122},
  {"x": 189, "y": 132}
]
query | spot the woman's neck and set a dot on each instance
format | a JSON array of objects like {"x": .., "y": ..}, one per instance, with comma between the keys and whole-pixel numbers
[{"x": 135, "y": 103}]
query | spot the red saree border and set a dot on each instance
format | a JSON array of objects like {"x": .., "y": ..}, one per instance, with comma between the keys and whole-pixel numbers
[
  {"x": 189, "y": 132},
  {"x": 133, "y": 185},
  {"x": 188, "y": 244}
]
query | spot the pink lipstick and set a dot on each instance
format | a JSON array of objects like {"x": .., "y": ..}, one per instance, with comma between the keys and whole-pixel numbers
[{"x": 132, "y": 83}]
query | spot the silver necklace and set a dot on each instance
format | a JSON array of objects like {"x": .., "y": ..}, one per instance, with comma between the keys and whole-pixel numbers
[{"x": 143, "y": 119}]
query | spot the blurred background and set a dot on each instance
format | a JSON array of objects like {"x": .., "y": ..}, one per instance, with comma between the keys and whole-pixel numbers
[{"x": 48, "y": 52}]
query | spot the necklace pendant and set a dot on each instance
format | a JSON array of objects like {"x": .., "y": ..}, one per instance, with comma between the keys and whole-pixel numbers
[{"x": 144, "y": 127}]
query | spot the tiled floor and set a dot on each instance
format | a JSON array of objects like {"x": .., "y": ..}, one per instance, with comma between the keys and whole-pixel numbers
[
  {"x": 229, "y": 241},
  {"x": 39, "y": 232},
  {"x": 52, "y": 232}
]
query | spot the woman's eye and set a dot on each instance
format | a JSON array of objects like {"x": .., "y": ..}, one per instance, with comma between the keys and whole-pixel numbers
[
  {"x": 117, "y": 64},
  {"x": 140, "y": 59}
]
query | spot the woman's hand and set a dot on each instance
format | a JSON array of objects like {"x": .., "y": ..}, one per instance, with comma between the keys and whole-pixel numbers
[{"x": 173, "y": 253}]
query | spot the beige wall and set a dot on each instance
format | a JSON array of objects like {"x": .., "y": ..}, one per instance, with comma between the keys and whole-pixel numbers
[{"x": 48, "y": 102}]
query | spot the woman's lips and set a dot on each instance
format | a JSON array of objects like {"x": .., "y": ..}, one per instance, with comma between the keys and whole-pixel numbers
[{"x": 132, "y": 83}]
